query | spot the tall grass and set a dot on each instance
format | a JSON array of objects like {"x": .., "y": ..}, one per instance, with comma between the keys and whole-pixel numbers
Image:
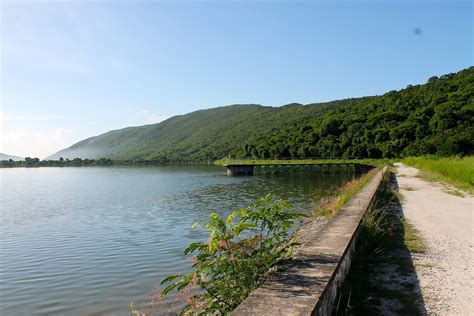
[
  {"x": 457, "y": 171},
  {"x": 330, "y": 205}
]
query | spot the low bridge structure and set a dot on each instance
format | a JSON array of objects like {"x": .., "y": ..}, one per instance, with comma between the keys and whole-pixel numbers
[{"x": 241, "y": 168}]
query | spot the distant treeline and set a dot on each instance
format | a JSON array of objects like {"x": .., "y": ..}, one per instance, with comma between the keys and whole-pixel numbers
[
  {"x": 78, "y": 162},
  {"x": 36, "y": 162}
]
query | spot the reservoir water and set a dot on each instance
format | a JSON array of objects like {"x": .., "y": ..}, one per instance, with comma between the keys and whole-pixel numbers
[{"x": 90, "y": 240}]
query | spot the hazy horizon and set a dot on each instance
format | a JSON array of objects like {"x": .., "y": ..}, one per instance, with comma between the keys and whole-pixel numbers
[{"x": 72, "y": 70}]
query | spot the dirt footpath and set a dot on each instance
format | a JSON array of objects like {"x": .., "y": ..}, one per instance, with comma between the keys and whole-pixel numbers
[{"x": 446, "y": 222}]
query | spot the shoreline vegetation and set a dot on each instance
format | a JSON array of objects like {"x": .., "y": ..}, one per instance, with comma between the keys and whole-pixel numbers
[
  {"x": 328, "y": 206},
  {"x": 36, "y": 162},
  {"x": 78, "y": 162}
]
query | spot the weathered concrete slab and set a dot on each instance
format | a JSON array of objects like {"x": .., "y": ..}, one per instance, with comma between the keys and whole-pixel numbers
[
  {"x": 236, "y": 170},
  {"x": 308, "y": 285}
]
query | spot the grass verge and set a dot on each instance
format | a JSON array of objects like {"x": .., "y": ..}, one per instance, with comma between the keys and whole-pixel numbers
[{"x": 456, "y": 171}]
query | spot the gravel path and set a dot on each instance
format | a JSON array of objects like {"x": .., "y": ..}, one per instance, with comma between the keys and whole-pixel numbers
[{"x": 446, "y": 223}]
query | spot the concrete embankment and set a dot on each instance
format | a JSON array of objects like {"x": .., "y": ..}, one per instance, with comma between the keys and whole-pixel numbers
[{"x": 308, "y": 284}]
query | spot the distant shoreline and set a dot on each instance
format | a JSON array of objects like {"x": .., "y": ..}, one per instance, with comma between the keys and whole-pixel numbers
[{"x": 36, "y": 163}]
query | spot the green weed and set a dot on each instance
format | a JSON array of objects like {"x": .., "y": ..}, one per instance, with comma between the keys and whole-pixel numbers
[{"x": 242, "y": 250}]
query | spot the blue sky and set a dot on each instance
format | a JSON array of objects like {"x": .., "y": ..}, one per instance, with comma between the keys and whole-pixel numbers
[{"x": 74, "y": 69}]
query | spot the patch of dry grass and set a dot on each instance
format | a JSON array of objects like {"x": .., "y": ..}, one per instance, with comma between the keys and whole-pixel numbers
[
  {"x": 330, "y": 205},
  {"x": 412, "y": 238},
  {"x": 454, "y": 192}
]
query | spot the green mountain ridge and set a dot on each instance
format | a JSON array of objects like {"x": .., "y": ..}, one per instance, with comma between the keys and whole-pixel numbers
[{"x": 433, "y": 118}]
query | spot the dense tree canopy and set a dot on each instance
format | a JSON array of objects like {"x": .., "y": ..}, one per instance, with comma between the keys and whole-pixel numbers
[{"x": 434, "y": 118}]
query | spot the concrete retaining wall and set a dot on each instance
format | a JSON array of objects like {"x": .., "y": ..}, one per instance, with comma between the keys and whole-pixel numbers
[{"x": 308, "y": 285}]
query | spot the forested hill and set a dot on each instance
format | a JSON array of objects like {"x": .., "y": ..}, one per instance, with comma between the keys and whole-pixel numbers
[
  {"x": 433, "y": 118},
  {"x": 198, "y": 136}
]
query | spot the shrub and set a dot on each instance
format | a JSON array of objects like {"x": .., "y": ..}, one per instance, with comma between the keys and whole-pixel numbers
[{"x": 240, "y": 252}]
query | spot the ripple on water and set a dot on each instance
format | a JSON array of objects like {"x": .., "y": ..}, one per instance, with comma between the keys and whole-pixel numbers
[{"x": 87, "y": 241}]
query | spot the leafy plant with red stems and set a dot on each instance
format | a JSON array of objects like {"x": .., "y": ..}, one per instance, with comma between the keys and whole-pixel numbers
[{"x": 240, "y": 252}]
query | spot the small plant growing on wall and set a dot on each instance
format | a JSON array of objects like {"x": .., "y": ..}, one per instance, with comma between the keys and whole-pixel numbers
[{"x": 240, "y": 253}]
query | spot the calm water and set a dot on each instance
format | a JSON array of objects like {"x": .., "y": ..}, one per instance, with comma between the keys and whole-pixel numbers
[{"x": 87, "y": 241}]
